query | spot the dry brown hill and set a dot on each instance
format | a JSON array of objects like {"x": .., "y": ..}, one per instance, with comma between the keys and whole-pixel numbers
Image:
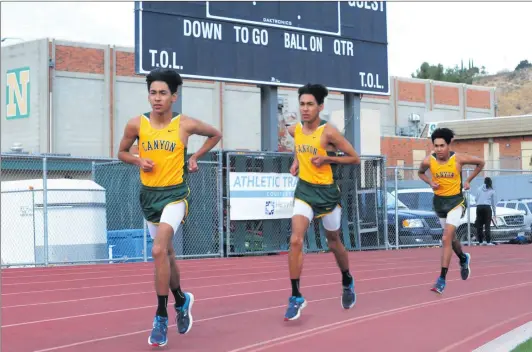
[{"x": 514, "y": 91}]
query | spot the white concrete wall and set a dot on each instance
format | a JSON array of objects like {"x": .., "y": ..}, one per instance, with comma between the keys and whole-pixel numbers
[
  {"x": 80, "y": 115},
  {"x": 89, "y": 111},
  {"x": 24, "y": 117}
]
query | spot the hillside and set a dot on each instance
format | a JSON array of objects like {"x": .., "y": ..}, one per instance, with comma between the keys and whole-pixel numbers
[{"x": 514, "y": 91}]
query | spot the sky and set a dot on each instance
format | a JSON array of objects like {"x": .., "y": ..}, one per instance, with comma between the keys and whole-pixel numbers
[{"x": 492, "y": 34}]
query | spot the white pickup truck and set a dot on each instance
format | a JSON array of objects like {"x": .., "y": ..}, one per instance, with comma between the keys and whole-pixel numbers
[{"x": 509, "y": 222}]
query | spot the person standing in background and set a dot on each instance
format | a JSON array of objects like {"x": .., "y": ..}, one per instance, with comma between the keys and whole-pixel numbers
[{"x": 486, "y": 210}]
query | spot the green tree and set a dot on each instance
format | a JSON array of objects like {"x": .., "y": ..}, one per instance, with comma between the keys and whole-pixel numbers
[
  {"x": 522, "y": 65},
  {"x": 456, "y": 74}
]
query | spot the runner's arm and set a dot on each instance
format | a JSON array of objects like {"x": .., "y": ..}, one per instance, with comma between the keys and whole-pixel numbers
[
  {"x": 479, "y": 163},
  {"x": 423, "y": 167},
  {"x": 128, "y": 139},
  {"x": 291, "y": 131},
  {"x": 341, "y": 143},
  {"x": 200, "y": 128}
]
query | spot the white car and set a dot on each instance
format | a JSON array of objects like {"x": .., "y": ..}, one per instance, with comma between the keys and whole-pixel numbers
[
  {"x": 524, "y": 205},
  {"x": 509, "y": 222}
]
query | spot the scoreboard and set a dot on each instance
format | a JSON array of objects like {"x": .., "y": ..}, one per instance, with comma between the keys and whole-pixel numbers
[{"x": 342, "y": 45}]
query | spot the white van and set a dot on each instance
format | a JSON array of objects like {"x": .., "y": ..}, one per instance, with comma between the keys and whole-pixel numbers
[{"x": 509, "y": 222}]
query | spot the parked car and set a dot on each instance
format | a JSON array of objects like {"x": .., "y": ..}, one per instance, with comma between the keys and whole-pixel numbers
[
  {"x": 416, "y": 227},
  {"x": 509, "y": 222},
  {"x": 523, "y": 205}
]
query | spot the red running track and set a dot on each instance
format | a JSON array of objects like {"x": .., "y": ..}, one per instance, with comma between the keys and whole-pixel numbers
[{"x": 240, "y": 304}]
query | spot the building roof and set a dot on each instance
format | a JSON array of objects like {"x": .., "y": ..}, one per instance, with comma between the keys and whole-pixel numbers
[
  {"x": 504, "y": 126},
  {"x": 62, "y": 184}
]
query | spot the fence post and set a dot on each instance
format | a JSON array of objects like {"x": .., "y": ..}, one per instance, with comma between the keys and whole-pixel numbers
[
  {"x": 93, "y": 176},
  {"x": 468, "y": 212},
  {"x": 396, "y": 181},
  {"x": 228, "y": 204},
  {"x": 145, "y": 239},
  {"x": 384, "y": 185},
  {"x": 45, "y": 209},
  {"x": 34, "y": 229},
  {"x": 219, "y": 185}
]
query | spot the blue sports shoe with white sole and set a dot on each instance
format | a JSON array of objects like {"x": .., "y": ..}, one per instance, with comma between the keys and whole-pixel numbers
[
  {"x": 349, "y": 296},
  {"x": 184, "y": 314},
  {"x": 295, "y": 305},
  {"x": 439, "y": 286},
  {"x": 465, "y": 268},
  {"x": 158, "y": 336}
]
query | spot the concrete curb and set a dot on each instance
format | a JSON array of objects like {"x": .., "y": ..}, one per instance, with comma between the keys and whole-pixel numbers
[{"x": 508, "y": 341}]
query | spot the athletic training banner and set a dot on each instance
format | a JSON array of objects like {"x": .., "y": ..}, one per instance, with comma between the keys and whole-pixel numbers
[{"x": 261, "y": 196}]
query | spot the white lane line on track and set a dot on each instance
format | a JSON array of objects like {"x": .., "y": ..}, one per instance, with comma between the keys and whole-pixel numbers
[
  {"x": 275, "y": 342},
  {"x": 491, "y": 260},
  {"x": 226, "y": 284},
  {"x": 151, "y": 306},
  {"x": 360, "y": 318}
]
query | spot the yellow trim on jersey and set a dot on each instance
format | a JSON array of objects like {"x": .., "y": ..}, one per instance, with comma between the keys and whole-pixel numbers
[
  {"x": 462, "y": 204},
  {"x": 186, "y": 206},
  {"x": 176, "y": 202},
  {"x": 302, "y": 201}
]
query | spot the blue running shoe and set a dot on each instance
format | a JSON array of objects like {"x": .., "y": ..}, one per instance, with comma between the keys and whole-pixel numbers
[
  {"x": 465, "y": 269},
  {"x": 158, "y": 334},
  {"x": 295, "y": 305},
  {"x": 349, "y": 296},
  {"x": 439, "y": 286},
  {"x": 184, "y": 314}
]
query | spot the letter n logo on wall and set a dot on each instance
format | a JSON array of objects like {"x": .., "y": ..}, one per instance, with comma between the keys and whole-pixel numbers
[{"x": 18, "y": 93}]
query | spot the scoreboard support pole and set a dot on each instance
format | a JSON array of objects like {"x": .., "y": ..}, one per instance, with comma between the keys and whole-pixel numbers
[
  {"x": 269, "y": 120},
  {"x": 178, "y": 105},
  {"x": 352, "y": 120},
  {"x": 269, "y": 135}
]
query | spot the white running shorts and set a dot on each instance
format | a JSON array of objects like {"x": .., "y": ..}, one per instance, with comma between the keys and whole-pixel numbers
[
  {"x": 331, "y": 221},
  {"x": 172, "y": 215},
  {"x": 453, "y": 217}
]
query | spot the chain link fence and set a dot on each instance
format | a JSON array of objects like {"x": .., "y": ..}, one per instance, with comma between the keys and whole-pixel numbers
[
  {"x": 258, "y": 203},
  {"x": 413, "y": 222},
  {"x": 59, "y": 210},
  {"x": 51, "y": 211}
]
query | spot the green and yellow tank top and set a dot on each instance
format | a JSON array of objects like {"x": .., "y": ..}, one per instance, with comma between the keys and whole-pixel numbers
[
  {"x": 447, "y": 176},
  {"x": 308, "y": 146},
  {"x": 164, "y": 147}
]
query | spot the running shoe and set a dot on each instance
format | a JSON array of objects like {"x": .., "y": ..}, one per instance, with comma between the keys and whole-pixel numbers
[
  {"x": 295, "y": 305},
  {"x": 439, "y": 286},
  {"x": 158, "y": 334},
  {"x": 184, "y": 314},
  {"x": 349, "y": 296},
  {"x": 465, "y": 269}
]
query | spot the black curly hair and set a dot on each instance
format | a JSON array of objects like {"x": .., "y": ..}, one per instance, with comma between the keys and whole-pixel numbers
[
  {"x": 319, "y": 91},
  {"x": 168, "y": 76}
]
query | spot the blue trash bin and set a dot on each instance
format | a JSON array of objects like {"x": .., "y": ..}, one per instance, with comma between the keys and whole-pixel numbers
[{"x": 128, "y": 244}]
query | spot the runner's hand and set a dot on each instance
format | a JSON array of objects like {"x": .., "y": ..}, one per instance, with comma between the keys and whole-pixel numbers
[
  {"x": 318, "y": 161},
  {"x": 294, "y": 169},
  {"x": 192, "y": 164},
  {"x": 146, "y": 165}
]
